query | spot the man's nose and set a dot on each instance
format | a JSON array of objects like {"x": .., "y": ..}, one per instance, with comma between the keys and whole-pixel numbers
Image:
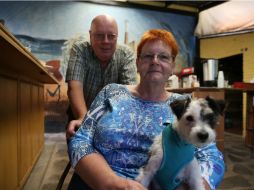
[{"x": 106, "y": 39}]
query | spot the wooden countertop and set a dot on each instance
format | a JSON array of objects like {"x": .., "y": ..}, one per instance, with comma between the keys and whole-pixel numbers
[
  {"x": 213, "y": 89},
  {"x": 16, "y": 58}
]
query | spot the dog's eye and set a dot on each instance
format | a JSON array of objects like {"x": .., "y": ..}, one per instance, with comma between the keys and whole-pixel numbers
[{"x": 190, "y": 118}]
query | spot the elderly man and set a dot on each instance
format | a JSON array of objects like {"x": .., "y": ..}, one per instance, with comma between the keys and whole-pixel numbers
[{"x": 93, "y": 65}]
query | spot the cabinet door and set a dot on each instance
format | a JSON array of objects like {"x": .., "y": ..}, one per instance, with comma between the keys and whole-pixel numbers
[
  {"x": 8, "y": 134},
  {"x": 249, "y": 139},
  {"x": 26, "y": 143}
]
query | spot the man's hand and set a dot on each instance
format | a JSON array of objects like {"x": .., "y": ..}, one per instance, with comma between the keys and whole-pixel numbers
[{"x": 72, "y": 127}]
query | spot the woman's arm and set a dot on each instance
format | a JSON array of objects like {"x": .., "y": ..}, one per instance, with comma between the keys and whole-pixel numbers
[
  {"x": 96, "y": 172},
  {"x": 211, "y": 164},
  {"x": 87, "y": 162}
]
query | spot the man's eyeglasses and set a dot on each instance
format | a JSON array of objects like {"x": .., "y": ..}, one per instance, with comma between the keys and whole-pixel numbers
[
  {"x": 101, "y": 37},
  {"x": 161, "y": 57}
]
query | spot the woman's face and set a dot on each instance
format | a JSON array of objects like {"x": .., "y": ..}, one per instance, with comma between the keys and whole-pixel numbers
[{"x": 156, "y": 62}]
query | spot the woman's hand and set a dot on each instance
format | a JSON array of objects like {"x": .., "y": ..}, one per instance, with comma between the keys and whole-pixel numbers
[
  {"x": 124, "y": 184},
  {"x": 72, "y": 127},
  {"x": 183, "y": 187},
  {"x": 134, "y": 185}
]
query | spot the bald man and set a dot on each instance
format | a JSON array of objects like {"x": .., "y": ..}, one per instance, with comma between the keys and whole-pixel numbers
[{"x": 94, "y": 64}]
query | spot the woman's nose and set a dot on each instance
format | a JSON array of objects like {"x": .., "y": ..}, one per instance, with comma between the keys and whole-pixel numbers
[{"x": 155, "y": 59}]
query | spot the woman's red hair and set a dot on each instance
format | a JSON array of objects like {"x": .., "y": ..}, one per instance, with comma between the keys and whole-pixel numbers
[{"x": 158, "y": 34}]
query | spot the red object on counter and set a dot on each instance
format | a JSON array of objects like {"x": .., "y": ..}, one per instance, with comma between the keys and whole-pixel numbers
[
  {"x": 243, "y": 85},
  {"x": 187, "y": 71}
]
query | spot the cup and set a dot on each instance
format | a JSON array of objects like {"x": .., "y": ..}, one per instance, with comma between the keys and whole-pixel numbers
[{"x": 220, "y": 81}]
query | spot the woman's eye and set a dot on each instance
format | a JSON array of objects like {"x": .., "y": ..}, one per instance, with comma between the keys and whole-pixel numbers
[
  {"x": 149, "y": 56},
  {"x": 163, "y": 57}
]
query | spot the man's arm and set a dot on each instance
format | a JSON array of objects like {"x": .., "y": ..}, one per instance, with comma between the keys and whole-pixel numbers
[
  {"x": 76, "y": 98},
  {"x": 78, "y": 106}
]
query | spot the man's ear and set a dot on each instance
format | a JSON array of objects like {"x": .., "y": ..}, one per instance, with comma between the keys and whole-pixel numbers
[
  {"x": 179, "y": 107},
  {"x": 90, "y": 35}
]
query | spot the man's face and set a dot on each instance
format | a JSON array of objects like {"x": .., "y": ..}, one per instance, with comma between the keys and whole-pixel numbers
[{"x": 103, "y": 37}]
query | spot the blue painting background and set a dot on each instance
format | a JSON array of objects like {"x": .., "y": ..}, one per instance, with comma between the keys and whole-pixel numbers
[{"x": 44, "y": 26}]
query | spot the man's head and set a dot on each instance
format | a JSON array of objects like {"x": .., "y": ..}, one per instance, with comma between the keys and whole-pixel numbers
[{"x": 103, "y": 36}]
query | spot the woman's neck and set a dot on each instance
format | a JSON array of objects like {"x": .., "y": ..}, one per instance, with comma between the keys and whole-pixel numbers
[{"x": 151, "y": 92}]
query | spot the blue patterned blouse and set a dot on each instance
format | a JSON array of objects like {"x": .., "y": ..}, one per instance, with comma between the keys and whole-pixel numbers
[{"x": 121, "y": 127}]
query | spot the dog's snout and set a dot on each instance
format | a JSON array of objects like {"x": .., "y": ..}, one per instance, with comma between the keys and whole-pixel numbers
[{"x": 202, "y": 136}]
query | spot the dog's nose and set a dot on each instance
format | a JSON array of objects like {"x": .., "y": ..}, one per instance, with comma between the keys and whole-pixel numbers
[{"x": 202, "y": 136}]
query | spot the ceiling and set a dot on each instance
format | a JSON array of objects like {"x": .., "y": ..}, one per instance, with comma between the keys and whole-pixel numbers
[
  {"x": 178, "y": 6},
  {"x": 198, "y": 5}
]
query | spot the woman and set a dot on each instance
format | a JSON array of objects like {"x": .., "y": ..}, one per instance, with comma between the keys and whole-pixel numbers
[{"x": 117, "y": 132}]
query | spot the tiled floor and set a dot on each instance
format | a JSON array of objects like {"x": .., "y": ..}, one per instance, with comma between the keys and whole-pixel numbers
[
  {"x": 48, "y": 169},
  {"x": 240, "y": 164}
]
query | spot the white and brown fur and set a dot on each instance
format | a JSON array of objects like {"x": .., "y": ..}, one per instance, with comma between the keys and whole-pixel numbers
[{"x": 195, "y": 122}]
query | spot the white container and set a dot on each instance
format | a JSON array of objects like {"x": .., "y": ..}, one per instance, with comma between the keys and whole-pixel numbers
[
  {"x": 220, "y": 81},
  {"x": 205, "y": 71},
  {"x": 173, "y": 81},
  {"x": 210, "y": 70}
]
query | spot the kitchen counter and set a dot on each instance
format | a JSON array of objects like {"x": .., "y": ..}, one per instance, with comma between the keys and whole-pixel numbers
[{"x": 22, "y": 79}]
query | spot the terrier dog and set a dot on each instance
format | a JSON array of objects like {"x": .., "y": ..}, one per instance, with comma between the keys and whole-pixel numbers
[{"x": 193, "y": 127}]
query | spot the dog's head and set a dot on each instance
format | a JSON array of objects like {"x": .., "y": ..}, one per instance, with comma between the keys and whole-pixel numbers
[{"x": 197, "y": 118}]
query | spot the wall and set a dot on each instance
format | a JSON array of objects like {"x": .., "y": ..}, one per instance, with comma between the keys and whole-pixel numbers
[
  {"x": 45, "y": 27},
  {"x": 225, "y": 46},
  {"x": 45, "y": 22}
]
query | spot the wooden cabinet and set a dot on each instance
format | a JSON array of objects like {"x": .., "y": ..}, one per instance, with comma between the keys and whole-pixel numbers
[
  {"x": 249, "y": 140},
  {"x": 8, "y": 133},
  {"x": 21, "y": 111}
]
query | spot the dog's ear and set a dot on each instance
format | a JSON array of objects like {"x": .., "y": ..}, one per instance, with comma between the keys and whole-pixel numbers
[
  {"x": 179, "y": 106},
  {"x": 218, "y": 106}
]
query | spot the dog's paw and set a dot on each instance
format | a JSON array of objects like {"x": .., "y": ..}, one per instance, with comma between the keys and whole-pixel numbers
[{"x": 141, "y": 178}]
